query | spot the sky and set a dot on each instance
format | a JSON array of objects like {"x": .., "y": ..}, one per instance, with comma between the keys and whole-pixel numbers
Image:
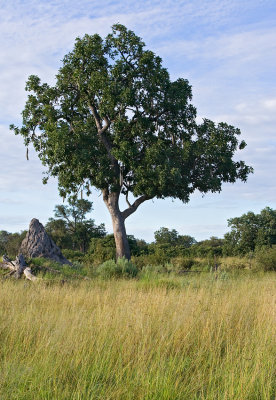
[{"x": 227, "y": 51}]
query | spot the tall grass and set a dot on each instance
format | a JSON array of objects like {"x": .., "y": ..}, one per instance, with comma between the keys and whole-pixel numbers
[{"x": 201, "y": 338}]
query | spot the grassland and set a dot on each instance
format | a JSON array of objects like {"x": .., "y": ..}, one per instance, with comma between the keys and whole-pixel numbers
[{"x": 191, "y": 337}]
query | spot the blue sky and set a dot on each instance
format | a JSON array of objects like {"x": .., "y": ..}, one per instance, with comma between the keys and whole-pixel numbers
[{"x": 226, "y": 49}]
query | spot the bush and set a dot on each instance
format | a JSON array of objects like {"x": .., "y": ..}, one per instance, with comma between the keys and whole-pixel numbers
[
  {"x": 122, "y": 269},
  {"x": 266, "y": 259},
  {"x": 150, "y": 272},
  {"x": 234, "y": 263},
  {"x": 182, "y": 264},
  {"x": 101, "y": 249},
  {"x": 73, "y": 255},
  {"x": 150, "y": 259},
  {"x": 44, "y": 262}
]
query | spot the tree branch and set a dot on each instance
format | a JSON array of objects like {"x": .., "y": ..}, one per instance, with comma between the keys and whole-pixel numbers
[
  {"x": 105, "y": 195},
  {"x": 133, "y": 207},
  {"x": 101, "y": 130},
  {"x": 96, "y": 116},
  {"x": 128, "y": 203}
]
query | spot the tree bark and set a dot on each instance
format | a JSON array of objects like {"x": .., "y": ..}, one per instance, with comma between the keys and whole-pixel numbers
[
  {"x": 118, "y": 221},
  {"x": 18, "y": 267},
  {"x": 120, "y": 236}
]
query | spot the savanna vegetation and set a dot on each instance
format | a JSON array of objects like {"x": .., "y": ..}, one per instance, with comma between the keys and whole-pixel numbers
[
  {"x": 194, "y": 337},
  {"x": 115, "y": 121},
  {"x": 181, "y": 320},
  {"x": 250, "y": 243},
  {"x": 174, "y": 319}
]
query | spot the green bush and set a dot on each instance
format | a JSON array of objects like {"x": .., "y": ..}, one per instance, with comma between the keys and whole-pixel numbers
[
  {"x": 45, "y": 262},
  {"x": 101, "y": 249},
  {"x": 266, "y": 259},
  {"x": 150, "y": 272},
  {"x": 150, "y": 259},
  {"x": 122, "y": 269},
  {"x": 73, "y": 255},
  {"x": 182, "y": 264}
]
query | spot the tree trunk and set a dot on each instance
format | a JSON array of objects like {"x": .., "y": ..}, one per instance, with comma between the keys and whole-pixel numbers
[
  {"x": 121, "y": 241},
  {"x": 118, "y": 221}
]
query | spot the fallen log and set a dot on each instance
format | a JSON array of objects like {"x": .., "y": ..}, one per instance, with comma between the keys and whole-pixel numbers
[
  {"x": 28, "y": 274},
  {"x": 18, "y": 267}
]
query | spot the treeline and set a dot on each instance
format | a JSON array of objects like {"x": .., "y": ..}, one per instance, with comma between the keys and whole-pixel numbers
[{"x": 82, "y": 240}]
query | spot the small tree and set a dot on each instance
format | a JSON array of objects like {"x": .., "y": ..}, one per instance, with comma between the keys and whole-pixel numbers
[
  {"x": 208, "y": 248},
  {"x": 166, "y": 236},
  {"x": 250, "y": 231},
  {"x": 71, "y": 229},
  {"x": 115, "y": 120},
  {"x": 172, "y": 237},
  {"x": 11, "y": 242},
  {"x": 4, "y": 238}
]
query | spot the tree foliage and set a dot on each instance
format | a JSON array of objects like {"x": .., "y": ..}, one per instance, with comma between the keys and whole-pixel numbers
[
  {"x": 208, "y": 248},
  {"x": 172, "y": 237},
  {"x": 11, "y": 242},
  {"x": 251, "y": 231}
]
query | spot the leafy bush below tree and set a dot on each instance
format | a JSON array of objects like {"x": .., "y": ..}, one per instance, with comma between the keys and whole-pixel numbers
[
  {"x": 120, "y": 269},
  {"x": 266, "y": 259}
]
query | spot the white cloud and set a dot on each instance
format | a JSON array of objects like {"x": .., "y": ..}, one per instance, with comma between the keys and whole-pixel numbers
[{"x": 254, "y": 112}]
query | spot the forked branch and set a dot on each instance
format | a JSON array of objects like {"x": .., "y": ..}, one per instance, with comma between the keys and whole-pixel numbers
[{"x": 133, "y": 207}]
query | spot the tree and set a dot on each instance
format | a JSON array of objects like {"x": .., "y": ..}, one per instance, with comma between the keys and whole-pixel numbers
[
  {"x": 172, "y": 237},
  {"x": 250, "y": 231},
  {"x": 114, "y": 120},
  {"x": 4, "y": 238},
  {"x": 102, "y": 249},
  {"x": 166, "y": 236},
  {"x": 57, "y": 229},
  {"x": 169, "y": 243},
  {"x": 71, "y": 229},
  {"x": 208, "y": 248},
  {"x": 10, "y": 242}
]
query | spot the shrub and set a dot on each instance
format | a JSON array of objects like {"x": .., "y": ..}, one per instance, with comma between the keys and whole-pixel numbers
[
  {"x": 128, "y": 269},
  {"x": 150, "y": 272},
  {"x": 45, "y": 262},
  {"x": 182, "y": 263},
  {"x": 122, "y": 269},
  {"x": 101, "y": 249},
  {"x": 203, "y": 265},
  {"x": 73, "y": 255},
  {"x": 139, "y": 262},
  {"x": 156, "y": 259},
  {"x": 234, "y": 263},
  {"x": 149, "y": 260},
  {"x": 266, "y": 259}
]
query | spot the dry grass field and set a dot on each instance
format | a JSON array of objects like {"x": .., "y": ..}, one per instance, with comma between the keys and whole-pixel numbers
[{"x": 167, "y": 338}]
